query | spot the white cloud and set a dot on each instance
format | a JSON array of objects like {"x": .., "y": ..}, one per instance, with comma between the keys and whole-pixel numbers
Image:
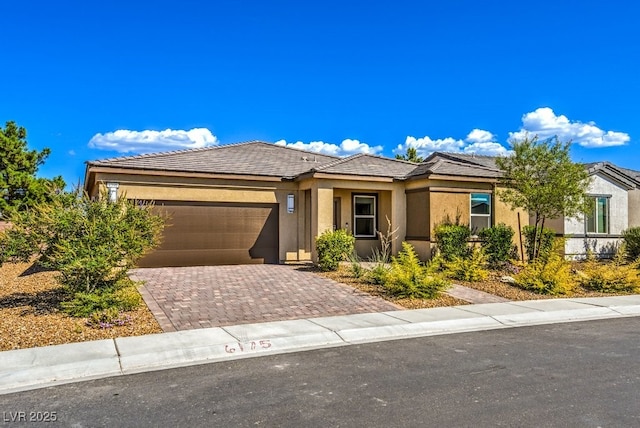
[
  {"x": 126, "y": 141},
  {"x": 544, "y": 123},
  {"x": 480, "y": 136},
  {"x": 478, "y": 141},
  {"x": 346, "y": 148},
  {"x": 487, "y": 148}
]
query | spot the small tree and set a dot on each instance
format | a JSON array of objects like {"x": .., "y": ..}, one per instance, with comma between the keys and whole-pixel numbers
[
  {"x": 92, "y": 243},
  {"x": 19, "y": 187},
  {"x": 411, "y": 155},
  {"x": 542, "y": 179}
]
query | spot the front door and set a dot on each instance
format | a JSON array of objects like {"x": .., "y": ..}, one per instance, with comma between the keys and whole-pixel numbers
[{"x": 336, "y": 214}]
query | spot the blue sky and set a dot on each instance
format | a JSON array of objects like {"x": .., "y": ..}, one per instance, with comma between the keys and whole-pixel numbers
[{"x": 92, "y": 80}]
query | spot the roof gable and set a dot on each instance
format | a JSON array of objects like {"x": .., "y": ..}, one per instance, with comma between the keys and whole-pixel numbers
[{"x": 614, "y": 173}]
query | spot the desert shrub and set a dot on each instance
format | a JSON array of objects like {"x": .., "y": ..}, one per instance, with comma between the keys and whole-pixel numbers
[
  {"x": 472, "y": 268},
  {"x": 631, "y": 239},
  {"x": 546, "y": 241},
  {"x": 378, "y": 275},
  {"x": 91, "y": 242},
  {"x": 497, "y": 243},
  {"x": 122, "y": 297},
  {"x": 550, "y": 275},
  {"x": 356, "y": 266},
  {"x": 451, "y": 240},
  {"x": 383, "y": 254},
  {"x": 333, "y": 247},
  {"x": 407, "y": 277},
  {"x": 610, "y": 277}
]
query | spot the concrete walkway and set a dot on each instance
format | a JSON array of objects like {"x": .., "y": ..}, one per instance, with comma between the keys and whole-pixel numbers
[
  {"x": 473, "y": 296},
  {"x": 32, "y": 368}
]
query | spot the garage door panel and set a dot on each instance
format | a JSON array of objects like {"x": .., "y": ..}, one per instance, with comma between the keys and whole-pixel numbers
[{"x": 216, "y": 234}]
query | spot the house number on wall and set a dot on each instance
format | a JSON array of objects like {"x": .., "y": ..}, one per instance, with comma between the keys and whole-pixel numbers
[{"x": 247, "y": 346}]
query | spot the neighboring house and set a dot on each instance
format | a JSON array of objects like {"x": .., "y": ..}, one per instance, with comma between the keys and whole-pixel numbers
[
  {"x": 258, "y": 202},
  {"x": 614, "y": 192},
  {"x": 616, "y": 207}
]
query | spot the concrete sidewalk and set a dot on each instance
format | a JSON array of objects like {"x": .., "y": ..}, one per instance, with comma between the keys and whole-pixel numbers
[{"x": 33, "y": 368}]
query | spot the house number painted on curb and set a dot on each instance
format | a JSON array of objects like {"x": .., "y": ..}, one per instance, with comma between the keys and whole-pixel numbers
[{"x": 247, "y": 346}]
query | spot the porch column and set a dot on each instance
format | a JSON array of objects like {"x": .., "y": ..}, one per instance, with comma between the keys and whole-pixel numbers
[
  {"x": 321, "y": 214},
  {"x": 398, "y": 216}
]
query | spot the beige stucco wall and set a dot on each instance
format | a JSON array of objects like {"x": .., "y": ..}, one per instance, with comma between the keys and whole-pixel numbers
[
  {"x": 451, "y": 201},
  {"x": 160, "y": 188}
]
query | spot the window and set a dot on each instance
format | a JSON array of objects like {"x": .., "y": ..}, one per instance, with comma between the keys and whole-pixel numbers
[
  {"x": 480, "y": 211},
  {"x": 598, "y": 218},
  {"x": 364, "y": 216}
]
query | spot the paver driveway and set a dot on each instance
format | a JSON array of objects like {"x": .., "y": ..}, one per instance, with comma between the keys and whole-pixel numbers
[{"x": 183, "y": 298}]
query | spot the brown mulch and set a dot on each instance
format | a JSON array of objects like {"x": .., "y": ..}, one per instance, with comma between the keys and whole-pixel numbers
[{"x": 29, "y": 314}]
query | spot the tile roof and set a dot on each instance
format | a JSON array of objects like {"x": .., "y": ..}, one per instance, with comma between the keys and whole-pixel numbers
[
  {"x": 458, "y": 165},
  {"x": 267, "y": 159},
  {"x": 626, "y": 177},
  {"x": 369, "y": 165},
  {"x": 251, "y": 158}
]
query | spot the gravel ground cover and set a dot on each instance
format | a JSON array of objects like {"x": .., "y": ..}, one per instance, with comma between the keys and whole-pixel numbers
[
  {"x": 29, "y": 299},
  {"x": 491, "y": 285},
  {"x": 29, "y": 314}
]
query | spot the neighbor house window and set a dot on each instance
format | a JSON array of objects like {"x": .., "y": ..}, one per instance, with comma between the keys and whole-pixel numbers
[
  {"x": 364, "y": 216},
  {"x": 480, "y": 211},
  {"x": 598, "y": 218}
]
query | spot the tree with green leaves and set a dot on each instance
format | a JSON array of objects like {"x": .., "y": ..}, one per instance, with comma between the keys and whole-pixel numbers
[
  {"x": 541, "y": 179},
  {"x": 411, "y": 155},
  {"x": 91, "y": 242},
  {"x": 19, "y": 186}
]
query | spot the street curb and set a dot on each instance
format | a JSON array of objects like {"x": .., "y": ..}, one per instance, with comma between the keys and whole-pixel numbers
[{"x": 34, "y": 368}]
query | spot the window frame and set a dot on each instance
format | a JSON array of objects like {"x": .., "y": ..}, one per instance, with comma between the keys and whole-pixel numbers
[
  {"x": 594, "y": 213},
  {"x": 488, "y": 216},
  {"x": 373, "y": 216}
]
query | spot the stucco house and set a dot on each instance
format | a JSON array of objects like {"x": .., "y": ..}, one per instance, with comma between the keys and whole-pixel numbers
[
  {"x": 257, "y": 202},
  {"x": 616, "y": 207}
]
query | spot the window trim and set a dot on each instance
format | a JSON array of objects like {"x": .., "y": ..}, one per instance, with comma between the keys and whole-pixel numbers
[
  {"x": 489, "y": 215},
  {"x": 373, "y": 216},
  {"x": 594, "y": 213}
]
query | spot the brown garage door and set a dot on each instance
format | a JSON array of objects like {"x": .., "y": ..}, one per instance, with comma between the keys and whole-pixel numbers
[{"x": 201, "y": 234}]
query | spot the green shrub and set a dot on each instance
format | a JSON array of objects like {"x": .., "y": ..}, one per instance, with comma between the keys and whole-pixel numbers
[
  {"x": 610, "y": 277},
  {"x": 470, "y": 269},
  {"x": 631, "y": 238},
  {"x": 333, "y": 247},
  {"x": 356, "y": 266},
  {"x": 407, "y": 277},
  {"x": 122, "y": 297},
  {"x": 451, "y": 241},
  {"x": 378, "y": 275},
  {"x": 546, "y": 241},
  {"x": 497, "y": 243},
  {"x": 551, "y": 276},
  {"x": 92, "y": 243}
]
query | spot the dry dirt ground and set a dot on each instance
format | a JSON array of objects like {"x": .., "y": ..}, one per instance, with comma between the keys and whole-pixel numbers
[{"x": 29, "y": 314}]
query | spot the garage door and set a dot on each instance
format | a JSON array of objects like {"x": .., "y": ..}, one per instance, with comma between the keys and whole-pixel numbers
[{"x": 201, "y": 234}]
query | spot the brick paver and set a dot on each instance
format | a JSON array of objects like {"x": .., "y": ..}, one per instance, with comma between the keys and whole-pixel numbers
[{"x": 184, "y": 298}]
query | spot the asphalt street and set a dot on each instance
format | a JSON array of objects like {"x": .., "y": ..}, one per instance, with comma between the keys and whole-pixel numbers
[{"x": 584, "y": 374}]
